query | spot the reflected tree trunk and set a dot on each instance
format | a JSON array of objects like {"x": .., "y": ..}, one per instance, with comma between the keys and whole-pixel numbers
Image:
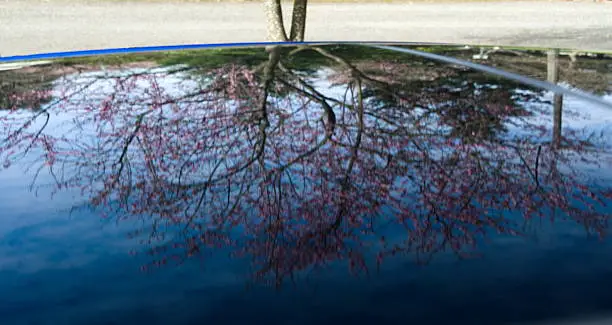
[
  {"x": 276, "y": 33},
  {"x": 573, "y": 56},
  {"x": 553, "y": 77},
  {"x": 557, "y": 118}
]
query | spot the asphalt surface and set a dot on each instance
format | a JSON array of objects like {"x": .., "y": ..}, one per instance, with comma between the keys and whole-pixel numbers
[{"x": 35, "y": 26}]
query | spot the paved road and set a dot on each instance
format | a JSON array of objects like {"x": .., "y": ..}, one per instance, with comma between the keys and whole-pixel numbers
[{"x": 33, "y": 26}]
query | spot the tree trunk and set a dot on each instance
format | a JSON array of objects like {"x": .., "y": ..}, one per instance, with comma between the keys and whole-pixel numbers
[
  {"x": 298, "y": 20},
  {"x": 274, "y": 19}
]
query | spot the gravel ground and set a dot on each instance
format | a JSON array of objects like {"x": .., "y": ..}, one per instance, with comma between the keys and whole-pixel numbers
[{"x": 33, "y": 26}]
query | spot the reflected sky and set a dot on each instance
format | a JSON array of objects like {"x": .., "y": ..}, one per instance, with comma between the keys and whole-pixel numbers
[{"x": 317, "y": 184}]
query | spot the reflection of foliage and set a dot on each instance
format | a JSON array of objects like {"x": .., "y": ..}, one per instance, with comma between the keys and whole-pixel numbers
[
  {"x": 586, "y": 73},
  {"x": 452, "y": 94},
  {"x": 20, "y": 90},
  {"x": 472, "y": 122},
  {"x": 262, "y": 161},
  {"x": 252, "y": 56},
  {"x": 205, "y": 59}
]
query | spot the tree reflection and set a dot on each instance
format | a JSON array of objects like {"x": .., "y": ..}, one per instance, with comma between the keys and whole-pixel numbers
[{"x": 265, "y": 162}]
